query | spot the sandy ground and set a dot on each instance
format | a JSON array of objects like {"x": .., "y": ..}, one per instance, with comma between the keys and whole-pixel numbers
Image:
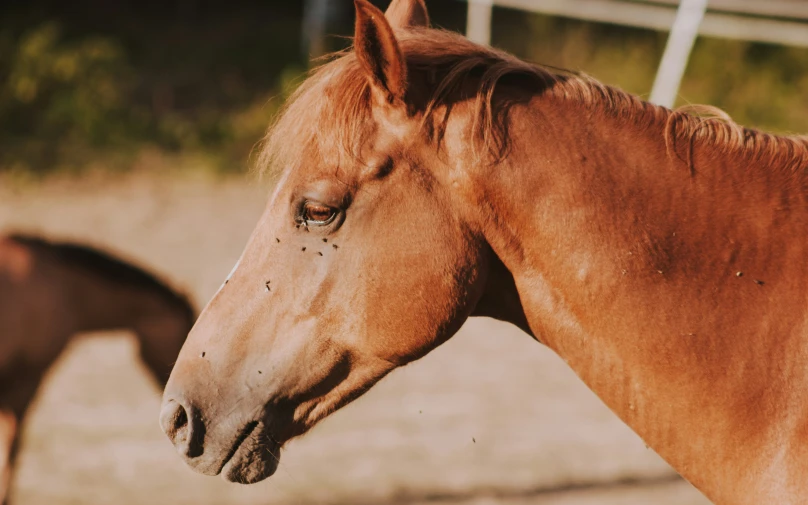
[{"x": 491, "y": 417}]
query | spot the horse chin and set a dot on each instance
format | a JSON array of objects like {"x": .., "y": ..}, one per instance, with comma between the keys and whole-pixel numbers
[{"x": 254, "y": 460}]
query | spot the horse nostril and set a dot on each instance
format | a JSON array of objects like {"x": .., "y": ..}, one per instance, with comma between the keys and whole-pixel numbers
[
  {"x": 184, "y": 428},
  {"x": 174, "y": 420}
]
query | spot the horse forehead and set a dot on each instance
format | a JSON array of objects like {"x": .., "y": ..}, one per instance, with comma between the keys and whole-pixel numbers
[
  {"x": 344, "y": 166},
  {"x": 393, "y": 124}
]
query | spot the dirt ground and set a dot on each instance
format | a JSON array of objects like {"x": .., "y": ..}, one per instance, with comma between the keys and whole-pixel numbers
[{"x": 491, "y": 417}]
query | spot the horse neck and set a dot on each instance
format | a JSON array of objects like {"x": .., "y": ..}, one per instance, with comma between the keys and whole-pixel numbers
[
  {"x": 628, "y": 266},
  {"x": 159, "y": 320},
  {"x": 103, "y": 304}
]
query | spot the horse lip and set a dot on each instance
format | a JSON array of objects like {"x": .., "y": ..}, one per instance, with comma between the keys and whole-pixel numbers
[
  {"x": 244, "y": 435},
  {"x": 249, "y": 461}
]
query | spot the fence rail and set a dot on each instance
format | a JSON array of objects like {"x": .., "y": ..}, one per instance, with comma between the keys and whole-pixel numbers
[
  {"x": 770, "y": 21},
  {"x": 786, "y": 9}
]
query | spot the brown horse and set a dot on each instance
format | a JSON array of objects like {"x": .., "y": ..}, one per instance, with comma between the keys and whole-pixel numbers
[
  {"x": 427, "y": 179},
  {"x": 51, "y": 291}
]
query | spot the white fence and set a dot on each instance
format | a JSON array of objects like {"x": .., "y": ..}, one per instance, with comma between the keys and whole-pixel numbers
[{"x": 770, "y": 21}]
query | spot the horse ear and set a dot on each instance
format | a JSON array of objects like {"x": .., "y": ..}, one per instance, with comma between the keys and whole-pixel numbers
[
  {"x": 378, "y": 51},
  {"x": 407, "y": 14}
]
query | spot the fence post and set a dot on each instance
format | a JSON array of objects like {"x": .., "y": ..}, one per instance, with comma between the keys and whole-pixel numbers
[
  {"x": 315, "y": 17},
  {"x": 478, "y": 22},
  {"x": 677, "y": 51}
]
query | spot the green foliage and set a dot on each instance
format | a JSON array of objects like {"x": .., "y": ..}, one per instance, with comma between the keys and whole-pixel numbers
[
  {"x": 764, "y": 86},
  {"x": 71, "y": 100},
  {"x": 91, "y": 90},
  {"x": 60, "y": 98}
]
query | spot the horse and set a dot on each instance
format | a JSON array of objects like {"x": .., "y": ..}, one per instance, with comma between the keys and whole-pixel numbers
[
  {"x": 421, "y": 179},
  {"x": 50, "y": 291}
]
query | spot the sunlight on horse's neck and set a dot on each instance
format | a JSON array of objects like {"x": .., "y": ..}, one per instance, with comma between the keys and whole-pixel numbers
[{"x": 623, "y": 258}]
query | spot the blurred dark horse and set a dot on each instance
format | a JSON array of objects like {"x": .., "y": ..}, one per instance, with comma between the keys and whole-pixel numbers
[{"x": 52, "y": 291}]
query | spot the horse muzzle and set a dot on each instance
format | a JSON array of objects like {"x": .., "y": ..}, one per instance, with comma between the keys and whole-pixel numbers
[{"x": 239, "y": 448}]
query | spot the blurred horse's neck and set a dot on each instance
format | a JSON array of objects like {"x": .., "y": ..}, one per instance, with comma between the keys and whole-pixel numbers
[
  {"x": 104, "y": 304},
  {"x": 159, "y": 322}
]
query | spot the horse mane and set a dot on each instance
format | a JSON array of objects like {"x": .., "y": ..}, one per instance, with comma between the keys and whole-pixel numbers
[
  {"x": 106, "y": 266},
  {"x": 330, "y": 111}
]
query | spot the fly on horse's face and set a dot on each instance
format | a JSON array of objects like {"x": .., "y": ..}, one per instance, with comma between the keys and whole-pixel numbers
[{"x": 325, "y": 300}]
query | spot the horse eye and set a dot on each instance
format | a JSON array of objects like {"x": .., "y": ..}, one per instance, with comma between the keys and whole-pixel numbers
[{"x": 317, "y": 213}]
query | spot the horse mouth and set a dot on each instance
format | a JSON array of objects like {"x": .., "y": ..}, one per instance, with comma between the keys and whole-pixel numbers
[{"x": 253, "y": 457}]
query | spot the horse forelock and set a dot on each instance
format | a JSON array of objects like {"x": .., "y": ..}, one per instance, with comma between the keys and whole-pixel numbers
[{"x": 330, "y": 113}]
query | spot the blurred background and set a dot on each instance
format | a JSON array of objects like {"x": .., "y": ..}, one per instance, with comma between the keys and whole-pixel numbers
[{"x": 130, "y": 125}]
